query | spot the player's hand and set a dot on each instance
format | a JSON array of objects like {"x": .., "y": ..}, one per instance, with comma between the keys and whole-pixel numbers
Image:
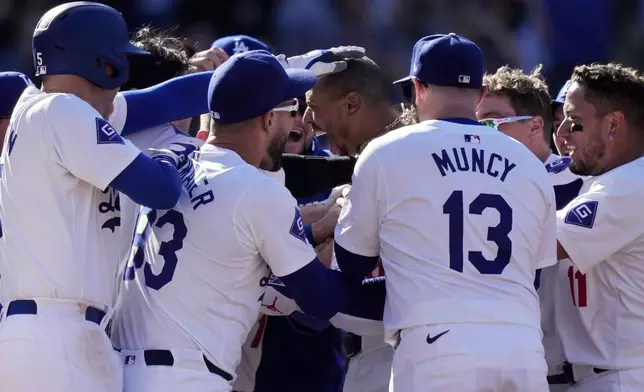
[
  {"x": 324, "y": 228},
  {"x": 209, "y": 60},
  {"x": 312, "y": 212},
  {"x": 325, "y": 252},
  {"x": 176, "y": 153},
  {"x": 338, "y": 192},
  {"x": 277, "y": 300},
  {"x": 323, "y": 61}
]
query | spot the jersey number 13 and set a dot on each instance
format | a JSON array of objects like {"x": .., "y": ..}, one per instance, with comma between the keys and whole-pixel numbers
[{"x": 454, "y": 207}]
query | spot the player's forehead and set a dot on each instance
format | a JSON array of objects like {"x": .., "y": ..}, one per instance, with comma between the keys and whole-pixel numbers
[
  {"x": 576, "y": 103},
  {"x": 495, "y": 106}
]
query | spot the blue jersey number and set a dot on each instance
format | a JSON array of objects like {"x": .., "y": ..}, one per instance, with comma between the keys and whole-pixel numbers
[
  {"x": 499, "y": 234},
  {"x": 168, "y": 250}
]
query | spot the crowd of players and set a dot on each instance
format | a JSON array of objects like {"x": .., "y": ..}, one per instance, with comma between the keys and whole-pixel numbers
[{"x": 137, "y": 257}]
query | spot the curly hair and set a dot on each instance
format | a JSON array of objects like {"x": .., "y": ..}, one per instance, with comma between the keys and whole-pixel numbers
[
  {"x": 528, "y": 94},
  {"x": 613, "y": 87},
  {"x": 169, "y": 58}
]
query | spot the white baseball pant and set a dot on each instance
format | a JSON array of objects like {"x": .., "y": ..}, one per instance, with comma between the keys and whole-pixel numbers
[
  {"x": 370, "y": 370},
  {"x": 469, "y": 358},
  {"x": 187, "y": 373},
  {"x": 631, "y": 380},
  {"x": 57, "y": 350}
]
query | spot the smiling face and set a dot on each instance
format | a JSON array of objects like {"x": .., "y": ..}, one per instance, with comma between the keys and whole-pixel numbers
[
  {"x": 584, "y": 132},
  {"x": 301, "y": 135},
  {"x": 327, "y": 114}
]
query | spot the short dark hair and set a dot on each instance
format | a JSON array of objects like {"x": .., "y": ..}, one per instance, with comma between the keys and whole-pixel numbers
[
  {"x": 169, "y": 57},
  {"x": 528, "y": 94},
  {"x": 363, "y": 76},
  {"x": 613, "y": 87}
]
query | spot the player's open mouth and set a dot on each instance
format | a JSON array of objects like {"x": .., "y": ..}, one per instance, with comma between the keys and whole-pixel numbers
[{"x": 569, "y": 149}]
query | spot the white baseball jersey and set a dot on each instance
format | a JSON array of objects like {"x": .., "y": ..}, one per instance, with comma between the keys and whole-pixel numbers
[
  {"x": 200, "y": 276},
  {"x": 599, "y": 306},
  {"x": 461, "y": 216},
  {"x": 58, "y": 214}
]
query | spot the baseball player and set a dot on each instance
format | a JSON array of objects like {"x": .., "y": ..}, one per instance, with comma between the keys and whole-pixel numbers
[
  {"x": 235, "y": 44},
  {"x": 231, "y": 223},
  {"x": 519, "y": 106},
  {"x": 57, "y": 207},
  {"x": 12, "y": 84},
  {"x": 460, "y": 242},
  {"x": 600, "y": 289}
]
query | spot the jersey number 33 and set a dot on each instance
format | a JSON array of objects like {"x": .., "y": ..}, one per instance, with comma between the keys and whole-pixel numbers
[{"x": 148, "y": 218}]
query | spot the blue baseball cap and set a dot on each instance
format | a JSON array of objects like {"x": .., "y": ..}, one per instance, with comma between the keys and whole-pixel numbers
[
  {"x": 12, "y": 84},
  {"x": 561, "y": 97},
  {"x": 446, "y": 60},
  {"x": 252, "y": 83},
  {"x": 235, "y": 44}
]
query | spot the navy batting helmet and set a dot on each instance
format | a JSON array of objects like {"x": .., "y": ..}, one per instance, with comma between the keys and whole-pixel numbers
[{"x": 82, "y": 38}]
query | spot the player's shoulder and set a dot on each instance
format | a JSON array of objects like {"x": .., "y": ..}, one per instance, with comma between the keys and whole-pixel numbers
[
  {"x": 625, "y": 178},
  {"x": 161, "y": 136}
]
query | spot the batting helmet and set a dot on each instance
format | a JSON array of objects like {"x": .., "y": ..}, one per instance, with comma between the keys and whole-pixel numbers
[{"x": 82, "y": 38}]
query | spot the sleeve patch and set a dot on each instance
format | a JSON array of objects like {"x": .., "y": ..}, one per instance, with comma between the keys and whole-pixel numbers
[
  {"x": 106, "y": 134},
  {"x": 558, "y": 165},
  {"x": 582, "y": 215},
  {"x": 297, "y": 228}
]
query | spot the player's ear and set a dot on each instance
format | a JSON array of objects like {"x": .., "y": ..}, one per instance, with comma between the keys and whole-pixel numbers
[
  {"x": 353, "y": 102},
  {"x": 268, "y": 120},
  {"x": 482, "y": 95},
  {"x": 536, "y": 127},
  {"x": 616, "y": 123}
]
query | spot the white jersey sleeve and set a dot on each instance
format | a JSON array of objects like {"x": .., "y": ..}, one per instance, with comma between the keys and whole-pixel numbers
[
  {"x": 359, "y": 223},
  {"x": 85, "y": 144},
  {"x": 600, "y": 222},
  {"x": 547, "y": 250},
  {"x": 119, "y": 114},
  {"x": 274, "y": 223}
]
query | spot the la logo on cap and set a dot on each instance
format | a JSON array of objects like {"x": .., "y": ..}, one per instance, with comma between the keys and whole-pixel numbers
[
  {"x": 240, "y": 47},
  {"x": 463, "y": 79}
]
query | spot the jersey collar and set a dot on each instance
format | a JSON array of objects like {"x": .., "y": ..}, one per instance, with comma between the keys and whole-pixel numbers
[{"x": 461, "y": 120}]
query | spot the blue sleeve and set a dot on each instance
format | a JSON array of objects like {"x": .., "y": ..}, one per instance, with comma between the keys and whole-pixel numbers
[
  {"x": 319, "y": 291},
  {"x": 369, "y": 302},
  {"x": 308, "y": 231},
  {"x": 307, "y": 325},
  {"x": 178, "y": 98},
  {"x": 356, "y": 266},
  {"x": 150, "y": 183}
]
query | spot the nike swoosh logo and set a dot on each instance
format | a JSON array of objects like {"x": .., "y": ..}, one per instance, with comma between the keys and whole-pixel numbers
[{"x": 431, "y": 340}]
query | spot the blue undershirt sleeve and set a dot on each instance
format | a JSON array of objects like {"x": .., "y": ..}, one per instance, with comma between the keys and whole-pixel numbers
[
  {"x": 356, "y": 266},
  {"x": 151, "y": 183},
  {"x": 175, "y": 99}
]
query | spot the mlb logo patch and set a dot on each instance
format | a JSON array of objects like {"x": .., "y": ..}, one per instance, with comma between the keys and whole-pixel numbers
[
  {"x": 297, "y": 227},
  {"x": 41, "y": 70},
  {"x": 465, "y": 79},
  {"x": 472, "y": 139},
  {"x": 130, "y": 359},
  {"x": 215, "y": 115},
  {"x": 106, "y": 134},
  {"x": 559, "y": 165},
  {"x": 582, "y": 215}
]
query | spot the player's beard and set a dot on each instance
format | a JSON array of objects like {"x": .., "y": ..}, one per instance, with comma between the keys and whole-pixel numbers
[
  {"x": 591, "y": 156},
  {"x": 274, "y": 152}
]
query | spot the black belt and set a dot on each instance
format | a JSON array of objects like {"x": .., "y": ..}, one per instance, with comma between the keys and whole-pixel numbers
[
  {"x": 557, "y": 379},
  {"x": 165, "y": 358},
  {"x": 570, "y": 375},
  {"x": 352, "y": 344},
  {"x": 29, "y": 306}
]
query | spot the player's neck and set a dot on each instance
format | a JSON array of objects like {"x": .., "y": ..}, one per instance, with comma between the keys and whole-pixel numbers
[
  {"x": 99, "y": 99},
  {"x": 448, "y": 111},
  {"x": 542, "y": 152},
  {"x": 247, "y": 151}
]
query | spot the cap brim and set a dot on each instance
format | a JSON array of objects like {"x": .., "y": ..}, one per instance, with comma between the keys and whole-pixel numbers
[
  {"x": 132, "y": 49},
  {"x": 302, "y": 80},
  {"x": 558, "y": 101},
  {"x": 403, "y": 80}
]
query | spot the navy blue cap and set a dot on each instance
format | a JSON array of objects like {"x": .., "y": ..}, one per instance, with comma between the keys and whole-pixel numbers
[
  {"x": 234, "y": 44},
  {"x": 561, "y": 97},
  {"x": 12, "y": 84},
  {"x": 252, "y": 83},
  {"x": 446, "y": 60}
]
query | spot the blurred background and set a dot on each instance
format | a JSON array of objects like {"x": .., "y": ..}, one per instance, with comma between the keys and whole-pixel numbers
[{"x": 556, "y": 33}]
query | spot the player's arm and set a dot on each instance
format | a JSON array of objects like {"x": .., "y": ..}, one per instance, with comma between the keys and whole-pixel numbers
[
  {"x": 176, "y": 99},
  {"x": 275, "y": 225},
  {"x": 91, "y": 150},
  {"x": 357, "y": 234},
  {"x": 600, "y": 222}
]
